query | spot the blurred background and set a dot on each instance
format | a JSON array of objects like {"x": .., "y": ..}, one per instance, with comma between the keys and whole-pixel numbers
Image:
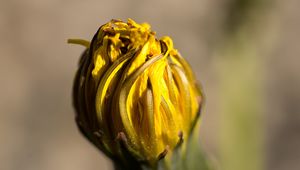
[{"x": 244, "y": 52}]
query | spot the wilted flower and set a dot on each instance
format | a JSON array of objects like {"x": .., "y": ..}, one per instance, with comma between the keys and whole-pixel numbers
[{"x": 134, "y": 88}]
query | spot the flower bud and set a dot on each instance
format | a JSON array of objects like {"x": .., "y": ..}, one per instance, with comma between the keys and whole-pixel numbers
[{"x": 135, "y": 89}]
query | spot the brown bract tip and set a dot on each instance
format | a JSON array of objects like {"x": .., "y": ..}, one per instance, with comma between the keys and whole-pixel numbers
[
  {"x": 121, "y": 137},
  {"x": 164, "y": 153}
]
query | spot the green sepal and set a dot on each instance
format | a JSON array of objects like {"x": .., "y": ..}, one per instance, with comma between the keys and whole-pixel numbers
[{"x": 188, "y": 155}]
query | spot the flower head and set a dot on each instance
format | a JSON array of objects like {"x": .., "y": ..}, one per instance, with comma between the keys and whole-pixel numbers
[{"x": 133, "y": 87}]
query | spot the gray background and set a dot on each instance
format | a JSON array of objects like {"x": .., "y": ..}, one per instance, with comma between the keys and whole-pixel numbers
[{"x": 37, "y": 68}]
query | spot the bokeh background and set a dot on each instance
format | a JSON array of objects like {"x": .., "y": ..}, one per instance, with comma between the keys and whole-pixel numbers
[{"x": 245, "y": 53}]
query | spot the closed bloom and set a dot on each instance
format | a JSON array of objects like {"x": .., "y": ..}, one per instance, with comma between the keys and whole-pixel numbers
[{"x": 134, "y": 88}]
